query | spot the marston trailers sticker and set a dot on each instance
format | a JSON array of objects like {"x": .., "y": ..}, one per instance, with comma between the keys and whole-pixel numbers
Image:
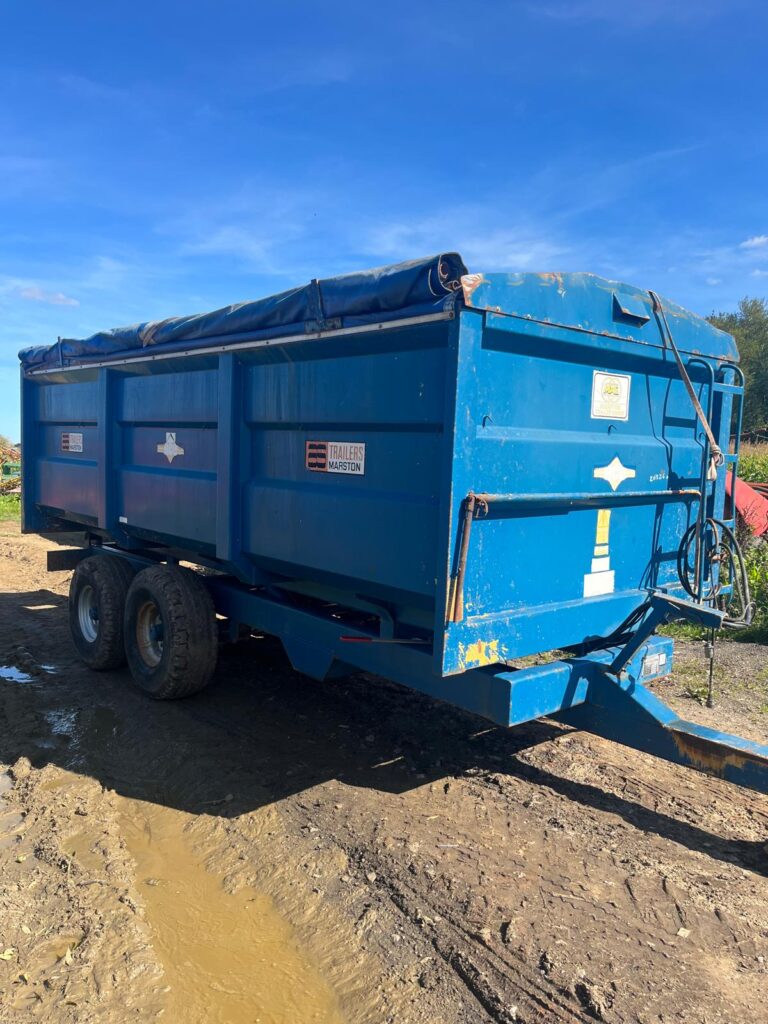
[
  {"x": 335, "y": 457},
  {"x": 71, "y": 442}
]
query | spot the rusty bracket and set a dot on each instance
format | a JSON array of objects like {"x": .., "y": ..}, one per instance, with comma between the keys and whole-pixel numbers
[{"x": 473, "y": 505}]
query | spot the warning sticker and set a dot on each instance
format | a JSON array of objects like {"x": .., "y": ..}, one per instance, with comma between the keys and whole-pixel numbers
[
  {"x": 654, "y": 664},
  {"x": 336, "y": 457},
  {"x": 71, "y": 442},
  {"x": 610, "y": 395}
]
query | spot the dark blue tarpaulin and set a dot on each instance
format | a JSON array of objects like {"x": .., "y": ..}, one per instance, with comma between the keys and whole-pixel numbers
[{"x": 418, "y": 286}]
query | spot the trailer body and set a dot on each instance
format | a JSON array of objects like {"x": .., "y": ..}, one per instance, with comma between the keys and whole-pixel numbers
[{"x": 431, "y": 490}]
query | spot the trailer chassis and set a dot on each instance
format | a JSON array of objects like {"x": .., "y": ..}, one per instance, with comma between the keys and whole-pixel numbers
[{"x": 601, "y": 690}]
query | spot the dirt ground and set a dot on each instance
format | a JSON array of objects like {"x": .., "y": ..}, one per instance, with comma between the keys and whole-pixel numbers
[{"x": 280, "y": 850}]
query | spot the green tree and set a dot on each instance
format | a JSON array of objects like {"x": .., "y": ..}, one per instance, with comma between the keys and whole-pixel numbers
[{"x": 749, "y": 326}]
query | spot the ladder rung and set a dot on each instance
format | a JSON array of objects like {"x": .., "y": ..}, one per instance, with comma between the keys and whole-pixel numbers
[{"x": 729, "y": 389}]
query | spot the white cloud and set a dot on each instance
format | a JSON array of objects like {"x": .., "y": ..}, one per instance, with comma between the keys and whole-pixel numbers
[
  {"x": 760, "y": 273},
  {"x": 483, "y": 248},
  {"x": 712, "y": 281},
  {"x": 36, "y": 294},
  {"x": 504, "y": 249},
  {"x": 105, "y": 273},
  {"x": 263, "y": 228},
  {"x": 756, "y": 242},
  {"x": 230, "y": 240}
]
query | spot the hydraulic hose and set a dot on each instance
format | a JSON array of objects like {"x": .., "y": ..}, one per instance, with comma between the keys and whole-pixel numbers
[{"x": 723, "y": 553}]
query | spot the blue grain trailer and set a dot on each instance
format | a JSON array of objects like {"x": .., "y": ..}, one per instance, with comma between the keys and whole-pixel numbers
[{"x": 416, "y": 471}]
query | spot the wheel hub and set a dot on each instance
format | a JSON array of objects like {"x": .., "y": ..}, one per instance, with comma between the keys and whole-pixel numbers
[
  {"x": 88, "y": 614},
  {"x": 150, "y": 633}
]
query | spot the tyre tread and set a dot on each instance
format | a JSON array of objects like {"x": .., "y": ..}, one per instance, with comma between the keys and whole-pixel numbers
[
  {"x": 189, "y": 607},
  {"x": 111, "y": 576}
]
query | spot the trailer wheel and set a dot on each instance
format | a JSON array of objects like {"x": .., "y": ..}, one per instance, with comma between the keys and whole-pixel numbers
[
  {"x": 171, "y": 635},
  {"x": 96, "y": 603}
]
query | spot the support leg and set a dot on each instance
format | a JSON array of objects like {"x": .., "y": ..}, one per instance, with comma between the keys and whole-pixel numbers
[{"x": 625, "y": 711}]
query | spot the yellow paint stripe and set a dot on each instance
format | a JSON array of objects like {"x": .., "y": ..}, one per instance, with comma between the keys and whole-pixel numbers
[{"x": 603, "y": 525}]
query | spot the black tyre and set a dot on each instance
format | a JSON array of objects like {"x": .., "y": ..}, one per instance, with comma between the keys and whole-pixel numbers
[
  {"x": 171, "y": 636},
  {"x": 97, "y": 596}
]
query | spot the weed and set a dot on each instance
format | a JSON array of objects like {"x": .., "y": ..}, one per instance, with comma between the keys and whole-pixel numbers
[
  {"x": 697, "y": 693},
  {"x": 10, "y": 506}
]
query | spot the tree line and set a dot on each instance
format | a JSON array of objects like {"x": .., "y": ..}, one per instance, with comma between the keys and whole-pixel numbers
[{"x": 749, "y": 326}]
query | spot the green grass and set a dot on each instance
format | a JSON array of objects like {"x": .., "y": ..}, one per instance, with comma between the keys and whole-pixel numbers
[
  {"x": 757, "y": 569},
  {"x": 753, "y": 466},
  {"x": 753, "y": 463},
  {"x": 10, "y": 506},
  {"x": 694, "y": 681}
]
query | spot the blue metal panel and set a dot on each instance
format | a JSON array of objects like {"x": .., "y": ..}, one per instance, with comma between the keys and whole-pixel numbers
[
  {"x": 76, "y": 403},
  {"x": 164, "y": 467},
  {"x": 32, "y": 518},
  {"x": 543, "y": 568},
  {"x": 590, "y": 305},
  {"x": 67, "y": 480},
  {"x": 54, "y": 474},
  {"x": 175, "y": 398},
  {"x": 387, "y": 382},
  {"x": 377, "y": 529}
]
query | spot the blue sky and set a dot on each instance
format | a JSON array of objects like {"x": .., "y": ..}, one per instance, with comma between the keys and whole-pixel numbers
[{"x": 164, "y": 158}]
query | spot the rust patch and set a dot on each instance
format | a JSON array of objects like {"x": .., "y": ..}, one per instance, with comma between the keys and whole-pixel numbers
[
  {"x": 549, "y": 278},
  {"x": 710, "y": 757},
  {"x": 469, "y": 283}
]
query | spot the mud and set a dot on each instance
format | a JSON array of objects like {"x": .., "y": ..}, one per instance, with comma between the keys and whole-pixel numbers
[
  {"x": 228, "y": 958},
  {"x": 281, "y": 850}
]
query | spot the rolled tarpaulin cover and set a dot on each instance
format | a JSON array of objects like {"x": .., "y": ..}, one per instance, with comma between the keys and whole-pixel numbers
[{"x": 400, "y": 289}]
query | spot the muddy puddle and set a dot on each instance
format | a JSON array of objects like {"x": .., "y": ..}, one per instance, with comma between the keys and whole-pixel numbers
[
  {"x": 11, "y": 674},
  {"x": 228, "y": 958}
]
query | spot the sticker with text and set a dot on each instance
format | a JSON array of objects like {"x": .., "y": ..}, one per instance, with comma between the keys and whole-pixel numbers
[
  {"x": 610, "y": 395},
  {"x": 71, "y": 442},
  {"x": 335, "y": 457}
]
